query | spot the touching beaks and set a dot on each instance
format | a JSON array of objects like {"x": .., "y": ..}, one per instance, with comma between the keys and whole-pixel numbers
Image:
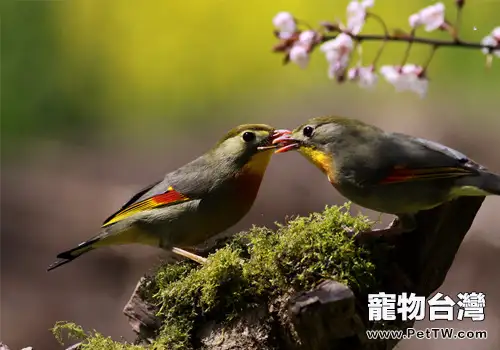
[
  {"x": 276, "y": 134},
  {"x": 285, "y": 142},
  {"x": 280, "y": 133}
]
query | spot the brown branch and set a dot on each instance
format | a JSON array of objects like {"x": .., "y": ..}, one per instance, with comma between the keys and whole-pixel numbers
[{"x": 415, "y": 40}]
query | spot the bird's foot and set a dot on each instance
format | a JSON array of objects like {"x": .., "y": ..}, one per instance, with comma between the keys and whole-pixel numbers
[{"x": 199, "y": 259}]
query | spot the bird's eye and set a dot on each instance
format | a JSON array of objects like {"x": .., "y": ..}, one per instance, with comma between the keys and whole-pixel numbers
[
  {"x": 308, "y": 131},
  {"x": 248, "y": 136}
]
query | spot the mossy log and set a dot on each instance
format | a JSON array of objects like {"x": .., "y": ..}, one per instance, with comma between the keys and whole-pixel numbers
[{"x": 332, "y": 314}]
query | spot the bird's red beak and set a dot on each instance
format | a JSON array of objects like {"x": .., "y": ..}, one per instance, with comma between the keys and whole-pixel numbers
[
  {"x": 285, "y": 142},
  {"x": 281, "y": 132},
  {"x": 270, "y": 144}
]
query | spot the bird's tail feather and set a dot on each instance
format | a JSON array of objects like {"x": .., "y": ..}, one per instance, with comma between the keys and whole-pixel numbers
[
  {"x": 70, "y": 255},
  {"x": 485, "y": 184},
  {"x": 490, "y": 183},
  {"x": 107, "y": 237}
]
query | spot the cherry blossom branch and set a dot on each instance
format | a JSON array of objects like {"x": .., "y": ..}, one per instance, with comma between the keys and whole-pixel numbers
[
  {"x": 338, "y": 41},
  {"x": 417, "y": 40}
]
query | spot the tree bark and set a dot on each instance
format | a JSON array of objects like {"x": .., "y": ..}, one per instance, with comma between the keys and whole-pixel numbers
[{"x": 332, "y": 316}]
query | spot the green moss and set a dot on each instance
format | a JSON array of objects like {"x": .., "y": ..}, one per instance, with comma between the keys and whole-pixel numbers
[
  {"x": 90, "y": 340},
  {"x": 254, "y": 268}
]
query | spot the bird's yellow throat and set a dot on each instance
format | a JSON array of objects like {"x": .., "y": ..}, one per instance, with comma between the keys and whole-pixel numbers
[
  {"x": 322, "y": 160},
  {"x": 258, "y": 163}
]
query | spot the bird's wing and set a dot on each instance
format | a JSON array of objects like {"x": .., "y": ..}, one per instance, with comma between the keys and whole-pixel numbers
[
  {"x": 432, "y": 161},
  {"x": 154, "y": 196}
]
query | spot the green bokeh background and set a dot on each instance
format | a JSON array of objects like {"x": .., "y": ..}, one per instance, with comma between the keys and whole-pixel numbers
[{"x": 92, "y": 67}]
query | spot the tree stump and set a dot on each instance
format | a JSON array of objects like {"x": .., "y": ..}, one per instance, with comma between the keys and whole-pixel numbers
[{"x": 332, "y": 316}]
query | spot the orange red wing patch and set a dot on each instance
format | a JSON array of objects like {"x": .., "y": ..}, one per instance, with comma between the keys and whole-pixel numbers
[
  {"x": 403, "y": 174},
  {"x": 169, "y": 197}
]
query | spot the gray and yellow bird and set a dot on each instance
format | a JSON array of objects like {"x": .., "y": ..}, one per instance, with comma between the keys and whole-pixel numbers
[
  {"x": 385, "y": 171},
  {"x": 193, "y": 203}
]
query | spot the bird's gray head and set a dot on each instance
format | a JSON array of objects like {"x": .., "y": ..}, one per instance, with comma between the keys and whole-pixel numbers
[
  {"x": 322, "y": 139},
  {"x": 316, "y": 134},
  {"x": 249, "y": 146}
]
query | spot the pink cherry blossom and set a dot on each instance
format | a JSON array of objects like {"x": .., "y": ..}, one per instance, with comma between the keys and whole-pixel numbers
[
  {"x": 407, "y": 78},
  {"x": 492, "y": 40},
  {"x": 356, "y": 15},
  {"x": 285, "y": 23},
  {"x": 432, "y": 17},
  {"x": 299, "y": 55},
  {"x": 338, "y": 53},
  {"x": 365, "y": 76}
]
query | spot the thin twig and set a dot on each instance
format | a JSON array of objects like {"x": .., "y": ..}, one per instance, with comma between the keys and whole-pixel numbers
[
  {"x": 429, "y": 59},
  {"x": 408, "y": 48},
  {"x": 379, "y": 53},
  {"x": 360, "y": 54},
  {"x": 380, "y": 21},
  {"x": 458, "y": 23},
  {"x": 299, "y": 21},
  {"x": 386, "y": 35}
]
